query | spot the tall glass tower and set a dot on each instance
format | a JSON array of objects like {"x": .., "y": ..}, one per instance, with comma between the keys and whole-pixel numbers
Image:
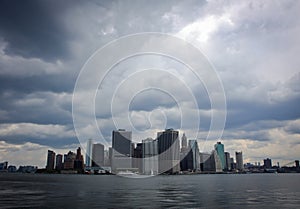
[
  {"x": 122, "y": 150},
  {"x": 88, "y": 155},
  {"x": 219, "y": 148},
  {"x": 195, "y": 154},
  {"x": 169, "y": 151}
]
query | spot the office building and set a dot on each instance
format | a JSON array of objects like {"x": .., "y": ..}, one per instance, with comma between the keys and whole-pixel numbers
[
  {"x": 194, "y": 150},
  {"x": 121, "y": 150},
  {"x": 97, "y": 155},
  {"x": 50, "y": 160},
  {"x": 150, "y": 156},
  {"x": 184, "y": 144},
  {"x": 110, "y": 152},
  {"x": 137, "y": 160},
  {"x": 3, "y": 166},
  {"x": 232, "y": 164},
  {"x": 227, "y": 161},
  {"x": 239, "y": 161},
  {"x": 219, "y": 148},
  {"x": 58, "y": 162},
  {"x": 267, "y": 163},
  {"x": 210, "y": 162},
  {"x": 88, "y": 155},
  {"x": 168, "y": 151},
  {"x": 79, "y": 163},
  {"x": 69, "y": 160}
]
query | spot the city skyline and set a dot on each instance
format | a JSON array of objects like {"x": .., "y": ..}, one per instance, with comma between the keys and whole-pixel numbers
[
  {"x": 252, "y": 46},
  {"x": 104, "y": 158}
]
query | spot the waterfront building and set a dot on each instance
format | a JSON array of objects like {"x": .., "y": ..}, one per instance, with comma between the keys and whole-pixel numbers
[
  {"x": 110, "y": 151},
  {"x": 88, "y": 155},
  {"x": 194, "y": 149},
  {"x": 184, "y": 144},
  {"x": 219, "y": 148},
  {"x": 232, "y": 164},
  {"x": 97, "y": 155},
  {"x": 50, "y": 160},
  {"x": 121, "y": 150},
  {"x": 12, "y": 169},
  {"x": 3, "y": 166},
  {"x": 239, "y": 161},
  {"x": 168, "y": 151},
  {"x": 208, "y": 162},
  {"x": 78, "y": 162},
  {"x": 150, "y": 156},
  {"x": 227, "y": 161},
  {"x": 137, "y": 160},
  {"x": 69, "y": 160},
  {"x": 267, "y": 163},
  {"x": 58, "y": 162},
  {"x": 106, "y": 158}
]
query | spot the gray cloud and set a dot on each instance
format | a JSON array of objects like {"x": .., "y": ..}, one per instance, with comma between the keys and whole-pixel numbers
[
  {"x": 253, "y": 46},
  {"x": 33, "y": 28}
]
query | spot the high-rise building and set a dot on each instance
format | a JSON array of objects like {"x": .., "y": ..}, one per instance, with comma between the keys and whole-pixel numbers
[
  {"x": 98, "y": 155},
  {"x": 227, "y": 161},
  {"x": 150, "y": 156},
  {"x": 110, "y": 152},
  {"x": 267, "y": 163},
  {"x": 169, "y": 151},
  {"x": 121, "y": 150},
  {"x": 88, "y": 155},
  {"x": 69, "y": 160},
  {"x": 219, "y": 148},
  {"x": 78, "y": 163},
  {"x": 194, "y": 149},
  {"x": 59, "y": 163},
  {"x": 210, "y": 162},
  {"x": 137, "y": 160},
  {"x": 232, "y": 164},
  {"x": 239, "y": 161},
  {"x": 3, "y": 166},
  {"x": 50, "y": 160},
  {"x": 184, "y": 142},
  {"x": 218, "y": 162}
]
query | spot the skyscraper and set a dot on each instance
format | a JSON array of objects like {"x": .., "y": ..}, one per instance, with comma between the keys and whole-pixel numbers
[
  {"x": 122, "y": 150},
  {"x": 169, "y": 151},
  {"x": 59, "y": 163},
  {"x": 194, "y": 149},
  {"x": 227, "y": 161},
  {"x": 98, "y": 155},
  {"x": 137, "y": 161},
  {"x": 50, "y": 160},
  {"x": 69, "y": 160},
  {"x": 150, "y": 157},
  {"x": 183, "y": 141},
  {"x": 88, "y": 156},
  {"x": 78, "y": 163},
  {"x": 239, "y": 161},
  {"x": 267, "y": 163},
  {"x": 219, "y": 148}
]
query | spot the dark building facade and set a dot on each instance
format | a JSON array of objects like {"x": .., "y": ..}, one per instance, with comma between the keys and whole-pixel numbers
[
  {"x": 50, "y": 160},
  {"x": 168, "y": 151},
  {"x": 121, "y": 150}
]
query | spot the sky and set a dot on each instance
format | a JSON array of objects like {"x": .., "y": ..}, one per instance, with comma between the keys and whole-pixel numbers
[{"x": 253, "y": 47}]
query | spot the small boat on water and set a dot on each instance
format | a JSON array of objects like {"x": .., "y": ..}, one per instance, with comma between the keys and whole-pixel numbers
[{"x": 127, "y": 173}]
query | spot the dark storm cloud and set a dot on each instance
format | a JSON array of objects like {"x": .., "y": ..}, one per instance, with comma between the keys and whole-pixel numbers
[
  {"x": 245, "y": 112},
  {"x": 24, "y": 85},
  {"x": 32, "y": 28},
  {"x": 38, "y": 107},
  {"x": 55, "y": 142}
]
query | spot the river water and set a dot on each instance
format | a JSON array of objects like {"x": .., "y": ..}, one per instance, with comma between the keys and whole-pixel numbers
[{"x": 181, "y": 191}]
